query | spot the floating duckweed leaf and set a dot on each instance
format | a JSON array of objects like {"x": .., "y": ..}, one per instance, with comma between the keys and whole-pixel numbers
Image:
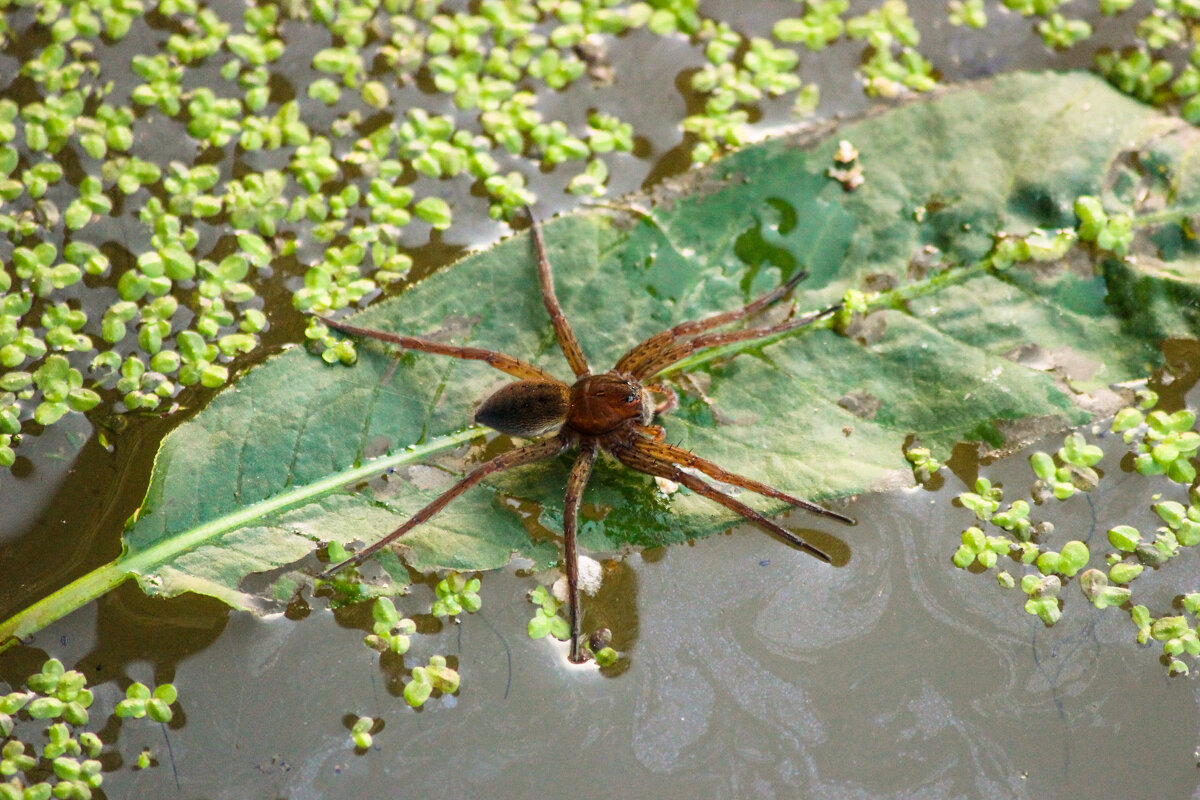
[
  {"x": 1168, "y": 627},
  {"x": 1124, "y": 537},
  {"x": 1096, "y": 588},
  {"x": 1015, "y": 519},
  {"x": 976, "y": 547},
  {"x": 1123, "y": 572},
  {"x": 606, "y": 657},
  {"x": 1077, "y": 451},
  {"x": 1127, "y": 419},
  {"x": 360, "y": 733},
  {"x": 984, "y": 501},
  {"x": 924, "y": 464},
  {"x": 1043, "y": 602},
  {"x": 46, "y": 708},
  {"x": 1171, "y": 513},
  {"x": 435, "y": 211}
]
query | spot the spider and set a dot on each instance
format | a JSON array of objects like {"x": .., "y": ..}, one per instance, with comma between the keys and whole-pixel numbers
[{"x": 609, "y": 411}]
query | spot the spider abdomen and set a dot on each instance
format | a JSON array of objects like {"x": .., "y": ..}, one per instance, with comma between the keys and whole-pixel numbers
[{"x": 525, "y": 408}]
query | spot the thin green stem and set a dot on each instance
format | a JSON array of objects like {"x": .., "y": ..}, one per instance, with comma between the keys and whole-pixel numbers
[
  {"x": 50, "y": 609},
  {"x": 1174, "y": 214},
  {"x": 99, "y": 581},
  {"x": 889, "y": 299}
]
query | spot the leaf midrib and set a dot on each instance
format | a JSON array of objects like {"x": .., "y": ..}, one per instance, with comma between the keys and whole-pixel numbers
[{"x": 103, "y": 579}]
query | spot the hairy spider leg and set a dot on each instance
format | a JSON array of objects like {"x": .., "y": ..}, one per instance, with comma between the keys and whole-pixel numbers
[
  {"x": 634, "y": 457},
  {"x": 651, "y": 347},
  {"x": 670, "y": 399},
  {"x": 680, "y": 351},
  {"x": 652, "y": 444},
  {"x": 505, "y": 363},
  {"x": 562, "y": 328},
  {"x": 538, "y": 451},
  {"x": 576, "y": 483}
]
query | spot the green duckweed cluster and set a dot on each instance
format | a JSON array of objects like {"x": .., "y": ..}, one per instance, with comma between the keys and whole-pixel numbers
[
  {"x": 548, "y": 621},
  {"x": 453, "y": 595},
  {"x": 924, "y": 465},
  {"x": 1161, "y": 445},
  {"x": 67, "y": 764},
  {"x": 392, "y": 633},
  {"x": 1151, "y": 71},
  {"x": 456, "y": 594}
]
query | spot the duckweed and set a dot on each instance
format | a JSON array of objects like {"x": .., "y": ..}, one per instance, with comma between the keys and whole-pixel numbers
[
  {"x": 1074, "y": 468},
  {"x": 68, "y": 764}
]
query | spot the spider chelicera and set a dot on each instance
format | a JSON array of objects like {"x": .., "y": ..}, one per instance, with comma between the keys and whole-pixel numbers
[{"x": 609, "y": 411}]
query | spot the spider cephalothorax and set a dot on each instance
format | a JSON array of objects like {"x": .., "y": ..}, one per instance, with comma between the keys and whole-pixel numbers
[
  {"x": 606, "y": 403},
  {"x": 610, "y": 411}
]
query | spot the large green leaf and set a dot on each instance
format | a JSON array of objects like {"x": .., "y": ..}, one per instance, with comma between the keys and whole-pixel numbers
[{"x": 283, "y": 460}]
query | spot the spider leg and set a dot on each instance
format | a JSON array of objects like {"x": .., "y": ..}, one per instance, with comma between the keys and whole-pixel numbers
[
  {"x": 655, "y": 447},
  {"x": 648, "y": 349},
  {"x": 636, "y": 458},
  {"x": 656, "y": 433},
  {"x": 682, "y": 350},
  {"x": 670, "y": 401},
  {"x": 580, "y": 472},
  {"x": 505, "y": 363},
  {"x": 528, "y": 454},
  {"x": 562, "y": 328}
]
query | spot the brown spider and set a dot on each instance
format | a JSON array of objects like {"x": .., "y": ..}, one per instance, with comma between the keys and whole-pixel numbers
[{"x": 610, "y": 411}]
